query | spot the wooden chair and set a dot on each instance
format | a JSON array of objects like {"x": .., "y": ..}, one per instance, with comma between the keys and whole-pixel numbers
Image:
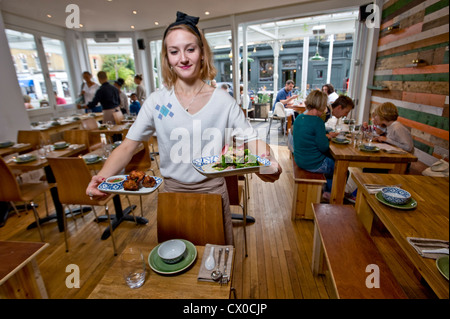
[
  {"x": 192, "y": 216},
  {"x": 118, "y": 117},
  {"x": 11, "y": 191},
  {"x": 89, "y": 124},
  {"x": 237, "y": 194},
  {"x": 72, "y": 177},
  {"x": 31, "y": 137},
  {"x": 80, "y": 137}
]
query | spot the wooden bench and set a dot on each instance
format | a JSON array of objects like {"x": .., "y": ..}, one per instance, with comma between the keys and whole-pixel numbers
[
  {"x": 307, "y": 190},
  {"x": 353, "y": 261}
]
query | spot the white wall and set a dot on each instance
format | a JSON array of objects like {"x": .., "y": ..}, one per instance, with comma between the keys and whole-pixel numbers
[{"x": 13, "y": 115}]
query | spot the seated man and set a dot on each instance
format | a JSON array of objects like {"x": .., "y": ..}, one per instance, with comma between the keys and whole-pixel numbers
[{"x": 286, "y": 97}]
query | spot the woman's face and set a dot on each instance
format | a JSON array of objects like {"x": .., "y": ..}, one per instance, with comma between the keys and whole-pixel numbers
[
  {"x": 325, "y": 89},
  {"x": 183, "y": 53}
]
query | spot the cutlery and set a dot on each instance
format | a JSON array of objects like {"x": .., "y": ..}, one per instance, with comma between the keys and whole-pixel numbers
[
  {"x": 210, "y": 262},
  {"x": 435, "y": 251},
  {"x": 225, "y": 276},
  {"x": 217, "y": 274}
]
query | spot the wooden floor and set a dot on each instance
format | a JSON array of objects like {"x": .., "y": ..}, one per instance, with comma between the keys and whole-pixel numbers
[{"x": 277, "y": 266}]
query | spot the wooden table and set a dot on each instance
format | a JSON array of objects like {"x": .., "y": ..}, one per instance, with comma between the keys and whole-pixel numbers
[
  {"x": 15, "y": 149},
  {"x": 182, "y": 286},
  {"x": 430, "y": 219},
  {"x": 346, "y": 155},
  {"x": 19, "y": 273},
  {"x": 43, "y": 163}
]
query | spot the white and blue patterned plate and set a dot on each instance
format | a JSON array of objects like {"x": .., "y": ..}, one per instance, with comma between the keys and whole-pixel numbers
[
  {"x": 117, "y": 188},
  {"x": 204, "y": 166}
]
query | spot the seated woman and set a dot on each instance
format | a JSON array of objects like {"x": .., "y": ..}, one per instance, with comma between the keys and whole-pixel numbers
[{"x": 311, "y": 145}]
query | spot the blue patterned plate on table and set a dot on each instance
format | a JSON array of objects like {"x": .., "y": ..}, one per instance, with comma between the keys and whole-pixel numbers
[
  {"x": 204, "y": 165},
  {"x": 25, "y": 158}
]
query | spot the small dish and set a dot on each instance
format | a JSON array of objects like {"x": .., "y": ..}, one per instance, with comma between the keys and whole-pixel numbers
[
  {"x": 6, "y": 144},
  {"x": 395, "y": 195},
  {"x": 25, "y": 158},
  {"x": 340, "y": 140},
  {"x": 114, "y": 183},
  {"x": 364, "y": 149},
  {"x": 60, "y": 145},
  {"x": 369, "y": 147},
  {"x": 92, "y": 158},
  {"x": 172, "y": 251},
  {"x": 409, "y": 205},
  {"x": 160, "y": 267}
]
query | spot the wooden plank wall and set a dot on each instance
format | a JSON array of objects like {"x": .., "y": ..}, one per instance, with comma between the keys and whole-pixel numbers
[{"x": 421, "y": 93}]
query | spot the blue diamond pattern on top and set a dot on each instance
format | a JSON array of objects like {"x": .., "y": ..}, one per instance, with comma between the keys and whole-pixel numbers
[
  {"x": 164, "y": 111},
  {"x": 157, "y": 107},
  {"x": 169, "y": 106}
]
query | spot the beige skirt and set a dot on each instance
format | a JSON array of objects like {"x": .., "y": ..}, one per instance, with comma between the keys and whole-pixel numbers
[
  {"x": 212, "y": 186},
  {"x": 108, "y": 115}
]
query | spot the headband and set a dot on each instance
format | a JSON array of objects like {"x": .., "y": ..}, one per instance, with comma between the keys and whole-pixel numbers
[{"x": 183, "y": 18}]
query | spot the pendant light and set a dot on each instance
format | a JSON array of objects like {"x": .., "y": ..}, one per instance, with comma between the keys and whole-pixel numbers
[{"x": 317, "y": 56}]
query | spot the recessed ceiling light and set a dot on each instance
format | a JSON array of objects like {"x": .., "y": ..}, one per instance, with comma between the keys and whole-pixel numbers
[
  {"x": 81, "y": 25},
  {"x": 156, "y": 23},
  {"x": 132, "y": 27},
  {"x": 134, "y": 12},
  {"x": 49, "y": 15},
  {"x": 207, "y": 13}
]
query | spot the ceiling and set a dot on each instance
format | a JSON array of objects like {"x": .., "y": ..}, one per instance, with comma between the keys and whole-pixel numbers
[{"x": 117, "y": 15}]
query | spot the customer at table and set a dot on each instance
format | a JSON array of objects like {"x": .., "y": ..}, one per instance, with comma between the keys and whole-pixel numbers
[
  {"x": 108, "y": 96},
  {"x": 285, "y": 95},
  {"x": 329, "y": 90},
  {"x": 135, "y": 106},
  {"x": 140, "y": 90},
  {"x": 191, "y": 119},
  {"x": 311, "y": 145},
  {"x": 398, "y": 135},
  {"x": 122, "y": 96},
  {"x": 341, "y": 107},
  {"x": 88, "y": 90}
]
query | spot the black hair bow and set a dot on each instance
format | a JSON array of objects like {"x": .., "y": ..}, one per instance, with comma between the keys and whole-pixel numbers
[{"x": 183, "y": 18}]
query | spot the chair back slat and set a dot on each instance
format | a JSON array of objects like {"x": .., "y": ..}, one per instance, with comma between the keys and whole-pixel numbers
[
  {"x": 9, "y": 187},
  {"x": 72, "y": 177},
  {"x": 31, "y": 137},
  {"x": 191, "y": 216}
]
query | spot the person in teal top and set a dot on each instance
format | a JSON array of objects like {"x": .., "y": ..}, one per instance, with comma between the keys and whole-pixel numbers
[{"x": 311, "y": 145}]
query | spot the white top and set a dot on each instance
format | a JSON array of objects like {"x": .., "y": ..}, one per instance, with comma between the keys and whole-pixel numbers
[
  {"x": 183, "y": 137},
  {"x": 400, "y": 136},
  {"x": 89, "y": 92},
  {"x": 332, "y": 97}
]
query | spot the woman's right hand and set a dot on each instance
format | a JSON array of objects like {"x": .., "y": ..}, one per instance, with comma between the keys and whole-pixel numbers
[{"x": 92, "y": 190}]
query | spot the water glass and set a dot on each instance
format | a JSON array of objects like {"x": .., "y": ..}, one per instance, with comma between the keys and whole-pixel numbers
[
  {"x": 132, "y": 264},
  {"x": 107, "y": 149},
  {"x": 42, "y": 152}
]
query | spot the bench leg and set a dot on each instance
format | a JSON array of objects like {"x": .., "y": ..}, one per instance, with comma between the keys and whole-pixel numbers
[
  {"x": 317, "y": 254},
  {"x": 304, "y": 195},
  {"x": 364, "y": 212}
]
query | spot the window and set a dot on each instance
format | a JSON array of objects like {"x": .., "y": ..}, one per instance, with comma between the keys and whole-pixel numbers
[
  {"x": 155, "y": 49},
  {"x": 57, "y": 67},
  {"x": 28, "y": 69},
  {"x": 266, "y": 70},
  {"x": 116, "y": 59}
]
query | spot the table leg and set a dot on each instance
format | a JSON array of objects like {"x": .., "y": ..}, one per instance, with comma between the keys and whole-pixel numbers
[
  {"x": 339, "y": 181},
  {"x": 120, "y": 216},
  {"x": 399, "y": 168}
]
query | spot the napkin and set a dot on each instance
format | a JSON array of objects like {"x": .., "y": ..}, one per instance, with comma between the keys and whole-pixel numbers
[
  {"x": 19, "y": 145},
  {"x": 389, "y": 148},
  {"x": 205, "y": 274},
  {"x": 420, "y": 244}
]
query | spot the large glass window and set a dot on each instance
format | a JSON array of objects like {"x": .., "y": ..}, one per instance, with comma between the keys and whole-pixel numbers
[
  {"x": 155, "y": 48},
  {"x": 57, "y": 67},
  {"x": 28, "y": 68},
  {"x": 116, "y": 59}
]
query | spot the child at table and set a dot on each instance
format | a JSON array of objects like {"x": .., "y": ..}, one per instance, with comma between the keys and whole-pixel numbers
[
  {"x": 396, "y": 134},
  {"x": 311, "y": 145},
  {"x": 135, "y": 106}
]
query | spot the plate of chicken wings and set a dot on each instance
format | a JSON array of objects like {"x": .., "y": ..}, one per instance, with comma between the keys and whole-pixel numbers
[{"x": 135, "y": 183}]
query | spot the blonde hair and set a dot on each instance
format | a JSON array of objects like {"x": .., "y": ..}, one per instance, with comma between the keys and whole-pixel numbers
[
  {"x": 386, "y": 112},
  {"x": 207, "y": 69},
  {"x": 316, "y": 100}
]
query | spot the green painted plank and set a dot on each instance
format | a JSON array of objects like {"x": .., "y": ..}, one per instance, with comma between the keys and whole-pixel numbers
[
  {"x": 431, "y": 47},
  {"x": 429, "y": 77},
  {"x": 424, "y": 118},
  {"x": 395, "y": 7},
  {"x": 423, "y": 147},
  {"x": 437, "y": 6}
]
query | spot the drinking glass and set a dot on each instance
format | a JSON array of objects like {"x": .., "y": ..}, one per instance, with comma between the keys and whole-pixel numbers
[
  {"x": 107, "y": 149},
  {"x": 133, "y": 267}
]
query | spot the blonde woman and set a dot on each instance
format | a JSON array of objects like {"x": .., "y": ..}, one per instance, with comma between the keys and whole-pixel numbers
[
  {"x": 191, "y": 119},
  {"x": 311, "y": 145}
]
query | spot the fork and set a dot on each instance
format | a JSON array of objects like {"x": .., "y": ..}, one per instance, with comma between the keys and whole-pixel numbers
[{"x": 225, "y": 276}]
